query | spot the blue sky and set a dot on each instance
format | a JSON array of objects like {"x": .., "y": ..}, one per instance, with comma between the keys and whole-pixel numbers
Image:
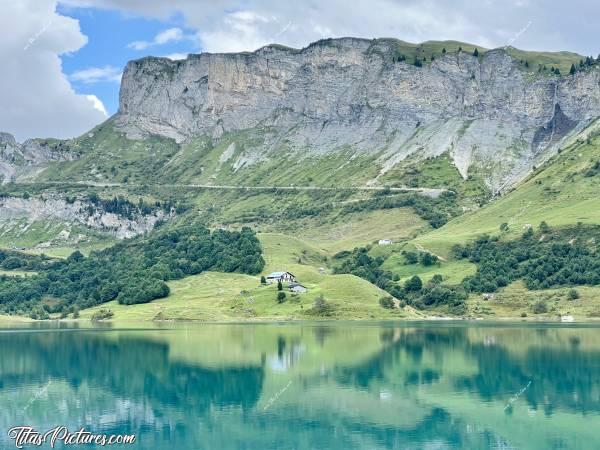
[{"x": 109, "y": 34}]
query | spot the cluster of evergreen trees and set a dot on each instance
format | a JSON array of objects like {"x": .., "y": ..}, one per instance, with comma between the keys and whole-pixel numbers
[
  {"x": 125, "y": 208},
  {"x": 584, "y": 63},
  {"x": 133, "y": 271},
  {"x": 543, "y": 260},
  {"x": 413, "y": 292}
]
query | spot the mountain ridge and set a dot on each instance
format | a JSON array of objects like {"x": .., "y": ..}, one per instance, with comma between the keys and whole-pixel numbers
[{"x": 360, "y": 95}]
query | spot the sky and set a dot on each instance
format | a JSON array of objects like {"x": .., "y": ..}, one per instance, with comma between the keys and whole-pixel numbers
[{"x": 63, "y": 59}]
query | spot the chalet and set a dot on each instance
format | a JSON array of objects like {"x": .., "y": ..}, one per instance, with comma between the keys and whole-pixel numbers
[
  {"x": 385, "y": 242},
  {"x": 274, "y": 277},
  {"x": 298, "y": 288}
]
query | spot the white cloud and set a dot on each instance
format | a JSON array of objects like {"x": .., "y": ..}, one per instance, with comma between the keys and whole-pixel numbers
[
  {"x": 37, "y": 98},
  {"x": 234, "y": 25},
  {"x": 162, "y": 38},
  {"x": 176, "y": 56},
  {"x": 97, "y": 75},
  {"x": 97, "y": 103}
]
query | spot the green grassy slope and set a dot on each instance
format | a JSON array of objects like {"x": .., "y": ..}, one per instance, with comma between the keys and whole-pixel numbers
[
  {"x": 232, "y": 297},
  {"x": 560, "y": 60},
  {"x": 565, "y": 191}
]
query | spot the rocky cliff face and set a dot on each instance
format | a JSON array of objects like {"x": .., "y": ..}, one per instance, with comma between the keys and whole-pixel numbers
[
  {"x": 353, "y": 93},
  {"x": 51, "y": 219},
  {"x": 34, "y": 154}
]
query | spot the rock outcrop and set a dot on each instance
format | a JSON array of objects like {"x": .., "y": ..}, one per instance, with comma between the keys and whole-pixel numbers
[
  {"x": 353, "y": 93},
  {"x": 57, "y": 216},
  {"x": 32, "y": 155}
]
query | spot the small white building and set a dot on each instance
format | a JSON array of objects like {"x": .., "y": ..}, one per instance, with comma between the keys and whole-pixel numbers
[
  {"x": 298, "y": 288},
  {"x": 385, "y": 242},
  {"x": 275, "y": 277}
]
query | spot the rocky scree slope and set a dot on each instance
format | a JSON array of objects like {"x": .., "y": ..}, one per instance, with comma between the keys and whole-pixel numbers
[{"x": 357, "y": 95}]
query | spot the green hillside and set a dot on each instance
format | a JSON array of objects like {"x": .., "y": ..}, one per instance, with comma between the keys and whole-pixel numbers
[
  {"x": 319, "y": 215},
  {"x": 565, "y": 191}
]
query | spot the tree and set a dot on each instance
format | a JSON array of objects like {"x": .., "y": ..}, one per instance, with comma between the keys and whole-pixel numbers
[
  {"x": 444, "y": 50},
  {"x": 528, "y": 233},
  {"x": 418, "y": 62},
  {"x": 427, "y": 259},
  {"x": 76, "y": 312},
  {"x": 460, "y": 49},
  {"x": 321, "y": 306},
  {"x": 414, "y": 284},
  {"x": 573, "y": 69},
  {"x": 573, "y": 295},
  {"x": 475, "y": 52},
  {"x": 279, "y": 286},
  {"x": 102, "y": 314},
  {"x": 281, "y": 297},
  {"x": 544, "y": 227},
  {"x": 411, "y": 257},
  {"x": 504, "y": 227},
  {"x": 387, "y": 302},
  {"x": 540, "y": 307},
  {"x": 437, "y": 279},
  {"x": 263, "y": 280}
]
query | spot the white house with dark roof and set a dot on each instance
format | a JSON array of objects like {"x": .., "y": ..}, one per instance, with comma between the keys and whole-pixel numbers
[{"x": 274, "y": 277}]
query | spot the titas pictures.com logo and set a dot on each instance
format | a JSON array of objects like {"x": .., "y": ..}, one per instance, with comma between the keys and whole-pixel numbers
[{"x": 28, "y": 436}]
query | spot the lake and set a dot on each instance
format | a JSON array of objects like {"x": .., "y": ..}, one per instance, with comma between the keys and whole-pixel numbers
[{"x": 431, "y": 385}]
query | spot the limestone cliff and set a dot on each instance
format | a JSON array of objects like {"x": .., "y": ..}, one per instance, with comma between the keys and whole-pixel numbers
[
  {"x": 354, "y": 93},
  {"x": 19, "y": 160}
]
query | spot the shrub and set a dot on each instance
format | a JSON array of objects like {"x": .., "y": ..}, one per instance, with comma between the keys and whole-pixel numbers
[
  {"x": 321, "y": 307},
  {"x": 427, "y": 259},
  {"x": 540, "y": 307},
  {"x": 386, "y": 302},
  {"x": 263, "y": 280},
  {"x": 11, "y": 263},
  {"x": 414, "y": 284},
  {"x": 411, "y": 257},
  {"x": 573, "y": 294},
  {"x": 102, "y": 314},
  {"x": 437, "y": 279},
  {"x": 279, "y": 286},
  {"x": 281, "y": 297},
  {"x": 39, "y": 314}
]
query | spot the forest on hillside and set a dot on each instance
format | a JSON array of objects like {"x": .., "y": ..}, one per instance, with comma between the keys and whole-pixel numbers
[{"x": 132, "y": 271}]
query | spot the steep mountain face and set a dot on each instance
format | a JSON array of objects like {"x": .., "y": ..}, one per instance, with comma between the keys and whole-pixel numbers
[
  {"x": 355, "y": 95},
  {"x": 18, "y": 160}
]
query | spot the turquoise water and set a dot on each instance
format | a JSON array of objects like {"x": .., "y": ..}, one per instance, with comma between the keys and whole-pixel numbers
[{"x": 308, "y": 386}]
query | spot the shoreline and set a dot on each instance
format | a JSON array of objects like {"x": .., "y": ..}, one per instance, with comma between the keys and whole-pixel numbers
[{"x": 8, "y": 321}]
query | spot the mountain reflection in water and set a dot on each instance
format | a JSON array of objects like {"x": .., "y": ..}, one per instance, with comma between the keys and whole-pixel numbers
[{"x": 306, "y": 386}]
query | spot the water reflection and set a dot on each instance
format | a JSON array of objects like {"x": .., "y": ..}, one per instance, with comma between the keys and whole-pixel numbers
[{"x": 309, "y": 386}]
